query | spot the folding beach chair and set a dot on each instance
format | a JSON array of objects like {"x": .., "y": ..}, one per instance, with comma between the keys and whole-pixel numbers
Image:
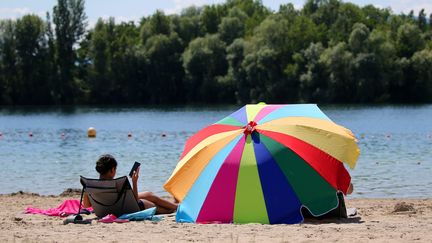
[{"x": 110, "y": 196}]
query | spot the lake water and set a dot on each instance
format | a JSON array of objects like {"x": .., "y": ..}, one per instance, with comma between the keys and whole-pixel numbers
[{"x": 395, "y": 143}]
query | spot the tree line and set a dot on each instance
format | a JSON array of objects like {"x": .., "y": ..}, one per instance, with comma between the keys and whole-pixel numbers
[{"x": 240, "y": 51}]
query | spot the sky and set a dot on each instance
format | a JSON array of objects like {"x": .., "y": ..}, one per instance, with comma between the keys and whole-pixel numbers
[{"x": 126, "y": 10}]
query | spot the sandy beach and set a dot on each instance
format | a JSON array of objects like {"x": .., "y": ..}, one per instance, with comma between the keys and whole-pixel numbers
[{"x": 382, "y": 220}]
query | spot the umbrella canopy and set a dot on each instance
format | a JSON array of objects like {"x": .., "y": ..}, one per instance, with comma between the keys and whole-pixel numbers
[{"x": 262, "y": 164}]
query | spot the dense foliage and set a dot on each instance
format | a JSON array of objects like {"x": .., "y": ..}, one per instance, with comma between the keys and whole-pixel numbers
[{"x": 237, "y": 52}]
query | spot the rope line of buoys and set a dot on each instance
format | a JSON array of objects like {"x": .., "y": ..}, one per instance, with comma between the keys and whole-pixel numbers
[{"x": 91, "y": 133}]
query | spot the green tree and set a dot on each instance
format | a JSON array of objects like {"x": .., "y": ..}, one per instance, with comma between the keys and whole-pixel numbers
[
  {"x": 8, "y": 59},
  {"x": 157, "y": 24},
  {"x": 358, "y": 40},
  {"x": 421, "y": 90},
  {"x": 100, "y": 83},
  {"x": 32, "y": 59},
  {"x": 131, "y": 79},
  {"x": 211, "y": 17},
  {"x": 368, "y": 65},
  {"x": 164, "y": 69},
  {"x": 235, "y": 81},
  {"x": 112, "y": 58},
  {"x": 387, "y": 70},
  {"x": 409, "y": 40},
  {"x": 255, "y": 11},
  {"x": 322, "y": 11},
  {"x": 421, "y": 20},
  {"x": 338, "y": 61},
  {"x": 70, "y": 24},
  {"x": 288, "y": 11},
  {"x": 187, "y": 25},
  {"x": 328, "y": 51},
  {"x": 204, "y": 62},
  {"x": 430, "y": 21},
  {"x": 127, "y": 64},
  {"x": 313, "y": 79},
  {"x": 311, "y": 6},
  {"x": 375, "y": 17},
  {"x": 263, "y": 75},
  {"x": 348, "y": 15},
  {"x": 268, "y": 53},
  {"x": 232, "y": 26},
  {"x": 160, "y": 24}
]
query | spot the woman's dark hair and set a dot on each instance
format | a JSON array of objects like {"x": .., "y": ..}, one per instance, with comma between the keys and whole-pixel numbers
[{"x": 105, "y": 163}]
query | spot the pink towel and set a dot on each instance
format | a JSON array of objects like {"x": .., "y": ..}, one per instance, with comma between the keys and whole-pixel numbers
[{"x": 68, "y": 207}]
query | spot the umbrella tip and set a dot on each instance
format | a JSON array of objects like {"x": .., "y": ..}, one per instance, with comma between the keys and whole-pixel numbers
[
  {"x": 249, "y": 128},
  {"x": 261, "y": 103}
]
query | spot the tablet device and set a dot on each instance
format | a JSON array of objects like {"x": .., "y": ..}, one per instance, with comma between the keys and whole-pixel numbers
[{"x": 134, "y": 168}]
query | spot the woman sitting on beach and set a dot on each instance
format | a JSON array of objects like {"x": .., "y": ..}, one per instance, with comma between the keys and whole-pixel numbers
[{"x": 106, "y": 166}]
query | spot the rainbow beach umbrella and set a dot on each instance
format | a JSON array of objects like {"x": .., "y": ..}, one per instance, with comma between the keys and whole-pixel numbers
[{"x": 262, "y": 164}]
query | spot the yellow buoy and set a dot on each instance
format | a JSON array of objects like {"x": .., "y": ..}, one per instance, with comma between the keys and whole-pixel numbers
[{"x": 91, "y": 132}]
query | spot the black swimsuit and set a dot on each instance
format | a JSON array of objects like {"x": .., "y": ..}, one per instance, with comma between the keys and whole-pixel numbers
[{"x": 141, "y": 204}]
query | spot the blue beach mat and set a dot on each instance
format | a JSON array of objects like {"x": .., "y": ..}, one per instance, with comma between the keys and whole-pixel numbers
[{"x": 147, "y": 214}]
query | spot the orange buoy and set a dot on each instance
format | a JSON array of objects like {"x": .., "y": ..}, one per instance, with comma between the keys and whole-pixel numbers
[{"x": 91, "y": 132}]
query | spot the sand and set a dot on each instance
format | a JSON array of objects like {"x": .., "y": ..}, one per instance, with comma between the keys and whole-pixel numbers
[{"x": 379, "y": 220}]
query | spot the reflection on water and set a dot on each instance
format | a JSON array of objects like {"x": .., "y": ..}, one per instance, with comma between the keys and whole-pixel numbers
[{"x": 395, "y": 143}]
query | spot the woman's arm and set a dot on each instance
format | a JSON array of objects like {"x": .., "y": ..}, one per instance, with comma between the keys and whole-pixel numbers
[{"x": 135, "y": 176}]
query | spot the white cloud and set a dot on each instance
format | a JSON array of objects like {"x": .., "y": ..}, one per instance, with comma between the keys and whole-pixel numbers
[
  {"x": 401, "y": 6},
  {"x": 118, "y": 19},
  {"x": 14, "y": 13},
  {"x": 406, "y": 6},
  {"x": 179, "y": 5}
]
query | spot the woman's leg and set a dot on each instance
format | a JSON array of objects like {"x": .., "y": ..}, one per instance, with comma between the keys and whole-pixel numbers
[
  {"x": 160, "y": 202},
  {"x": 159, "y": 210}
]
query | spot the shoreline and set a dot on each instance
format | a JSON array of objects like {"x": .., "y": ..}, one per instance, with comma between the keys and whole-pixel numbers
[
  {"x": 395, "y": 219},
  {"x": 71, "y": 192}
]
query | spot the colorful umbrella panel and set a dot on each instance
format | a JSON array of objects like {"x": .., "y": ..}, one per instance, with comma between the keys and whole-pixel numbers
[{"x": 262, "y": 164}]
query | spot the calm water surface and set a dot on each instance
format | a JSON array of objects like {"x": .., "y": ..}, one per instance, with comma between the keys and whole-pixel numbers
[{"x": 395, "y": 143}]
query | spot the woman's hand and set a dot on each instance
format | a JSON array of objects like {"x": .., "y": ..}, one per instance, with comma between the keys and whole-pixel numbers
[
  {"x": 134, "y": 178},
  {"x": 135, "y": 175}
]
